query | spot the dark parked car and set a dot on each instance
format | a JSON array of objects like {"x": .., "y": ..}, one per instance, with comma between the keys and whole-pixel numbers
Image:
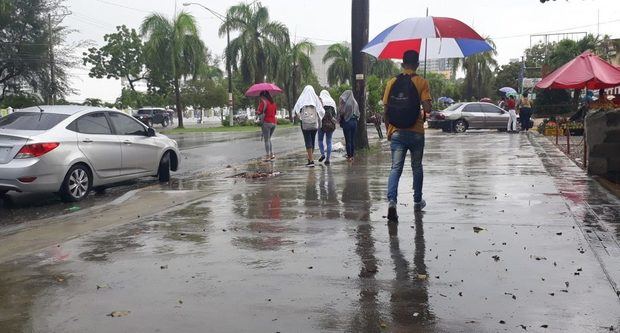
[
  {"x": 151, "y": 116},
  {"x": 460, "y": 117}
]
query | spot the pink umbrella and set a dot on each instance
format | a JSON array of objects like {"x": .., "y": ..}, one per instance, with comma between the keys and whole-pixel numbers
[{"x": 256, "y": 89}]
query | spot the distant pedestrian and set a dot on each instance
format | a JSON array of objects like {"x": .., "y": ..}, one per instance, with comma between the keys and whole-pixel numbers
[
  {"x": 310, "y": 111},
  {"x": 404, "y": 119},
  {"x": 328, "y": 126},
  {"x": 502, "y": 103},
  {"x": 525, "y": 111},
  {"x": 266, "y": 112},
  {"x": 348, "y": 114},
  {"x": 512, "y": 112}
]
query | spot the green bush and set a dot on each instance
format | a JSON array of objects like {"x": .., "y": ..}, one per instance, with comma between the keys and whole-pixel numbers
[{"x": 282, "y": 121}]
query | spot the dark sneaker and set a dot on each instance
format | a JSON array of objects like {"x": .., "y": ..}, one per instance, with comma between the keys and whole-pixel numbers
[
  {"x": 418, "y": 206},
  {"x": 392, "y": 215},
  {"x": 322, "y": 159},
  {"x": 310, "y": 164},
  {"x": 327, "y": 162}
]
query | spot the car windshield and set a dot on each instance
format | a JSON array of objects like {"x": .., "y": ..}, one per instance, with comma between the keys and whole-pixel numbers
[
  {"x": 453, "y": 107},
  {"x": 31, "y": 121},
  {"x": 145, "y": 111}
]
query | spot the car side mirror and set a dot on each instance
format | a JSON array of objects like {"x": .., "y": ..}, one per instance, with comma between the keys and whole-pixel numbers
[{"x": 150, "y": 132}]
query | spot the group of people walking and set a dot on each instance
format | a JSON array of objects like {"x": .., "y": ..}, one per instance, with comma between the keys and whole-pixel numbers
[
  {"x": 407, "y": 100},
  {"x": 521, "y": 108},
  {"x": 318, "y": 114}
]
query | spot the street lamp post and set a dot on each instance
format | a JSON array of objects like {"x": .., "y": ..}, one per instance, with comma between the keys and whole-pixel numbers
[{"x": 224, "y": 19}]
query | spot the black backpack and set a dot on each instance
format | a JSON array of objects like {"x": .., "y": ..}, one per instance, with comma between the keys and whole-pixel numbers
[
  {"x": 328, "y": 124},
  {"x": 403, "y": 109}
]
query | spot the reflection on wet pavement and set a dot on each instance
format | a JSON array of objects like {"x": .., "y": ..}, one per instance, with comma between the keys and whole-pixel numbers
[{"x": 310, "y": 250}]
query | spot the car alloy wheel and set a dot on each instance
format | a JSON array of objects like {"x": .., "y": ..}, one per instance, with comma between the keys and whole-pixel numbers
[
  {"x": 460, "y": 126},
  {"x": 78, "y": 183}
]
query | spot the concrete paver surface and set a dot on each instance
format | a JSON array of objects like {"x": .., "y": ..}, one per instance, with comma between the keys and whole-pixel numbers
[{"x": 310, "y": 250}]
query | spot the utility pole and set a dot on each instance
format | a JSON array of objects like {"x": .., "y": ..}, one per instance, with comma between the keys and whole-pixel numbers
[
  {"x": 52, "y": 84},
  {"x": 359, "y": 38}
]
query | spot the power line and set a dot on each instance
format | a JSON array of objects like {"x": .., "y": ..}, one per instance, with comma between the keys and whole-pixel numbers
[
  {"x": 123, "y": 6},
  {"x": 552, "y": 31}
]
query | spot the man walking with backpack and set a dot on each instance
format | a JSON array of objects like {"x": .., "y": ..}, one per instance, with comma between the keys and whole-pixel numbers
[{"x": 404, "y": 119}]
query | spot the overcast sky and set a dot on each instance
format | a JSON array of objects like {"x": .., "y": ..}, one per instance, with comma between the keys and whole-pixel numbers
[{"x": 508, "y": 22}]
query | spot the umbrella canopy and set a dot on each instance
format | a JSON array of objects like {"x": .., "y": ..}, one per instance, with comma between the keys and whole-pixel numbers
[
  {"x": 586, "y": 71},
  {"x": 445, "y": 99},
  {"x": 256, "y": 89},
  {"x": 435, "y": 37},
  {"x": 508, "y": 90}
]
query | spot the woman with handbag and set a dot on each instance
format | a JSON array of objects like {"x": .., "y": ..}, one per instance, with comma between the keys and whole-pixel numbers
[
  {"x": 266, "y": 113},
  {"x": 309, "y": 110},
  {"x": 328, "y": 126}
]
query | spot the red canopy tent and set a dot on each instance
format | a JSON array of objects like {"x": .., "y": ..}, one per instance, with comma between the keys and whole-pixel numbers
[{"x": 586, "y": 71}]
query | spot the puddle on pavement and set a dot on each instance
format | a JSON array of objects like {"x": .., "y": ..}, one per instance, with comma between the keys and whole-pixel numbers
[{"x": 310, "y": 250}]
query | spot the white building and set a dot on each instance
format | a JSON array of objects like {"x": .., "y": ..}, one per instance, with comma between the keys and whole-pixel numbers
[{"x": 320, "y": 69}]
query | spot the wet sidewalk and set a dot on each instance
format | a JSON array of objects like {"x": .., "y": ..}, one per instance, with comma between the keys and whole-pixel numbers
[{"x": 515, "y": 237}]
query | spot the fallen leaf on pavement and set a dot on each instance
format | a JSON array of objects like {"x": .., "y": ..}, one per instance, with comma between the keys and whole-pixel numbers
[
  {"x": 117, "y": 314},
  {"x": 478, "y": 229}
]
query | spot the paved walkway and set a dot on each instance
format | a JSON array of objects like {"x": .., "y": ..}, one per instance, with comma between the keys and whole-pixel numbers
[{"x": 310, "y": 250}]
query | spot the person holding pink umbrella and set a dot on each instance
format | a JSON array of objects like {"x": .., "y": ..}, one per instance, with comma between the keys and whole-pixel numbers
[{"x": 266, "y": 111}]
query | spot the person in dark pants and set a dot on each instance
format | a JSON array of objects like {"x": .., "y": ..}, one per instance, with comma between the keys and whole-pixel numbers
[
  {"x": 310, "y": 111},
  {"x": 349, "y": 113},
  {"x": 525, "y": 112}
]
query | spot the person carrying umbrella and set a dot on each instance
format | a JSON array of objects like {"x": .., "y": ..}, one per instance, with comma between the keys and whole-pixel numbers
[
  {"x": 266, "y": 111},
  {"x": 402, "y": 98}
]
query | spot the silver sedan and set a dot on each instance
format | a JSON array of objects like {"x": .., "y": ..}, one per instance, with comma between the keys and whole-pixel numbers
[
  {"x": 71, "y": 149},
  {"x": 460, "y": 117}
]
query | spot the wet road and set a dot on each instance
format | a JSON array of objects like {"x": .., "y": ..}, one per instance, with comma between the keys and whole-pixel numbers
[
  {"x": 310, "y": 250},
  {"x": 201, "y": 153}
]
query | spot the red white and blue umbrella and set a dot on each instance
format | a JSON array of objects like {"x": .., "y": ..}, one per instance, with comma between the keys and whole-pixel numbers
[{"x": 435, "y": 37}]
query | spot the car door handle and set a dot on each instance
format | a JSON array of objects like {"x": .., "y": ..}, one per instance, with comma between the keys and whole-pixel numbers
[
  {"x": 127, "y": 142},
  {"x": 87, "y": 141}
]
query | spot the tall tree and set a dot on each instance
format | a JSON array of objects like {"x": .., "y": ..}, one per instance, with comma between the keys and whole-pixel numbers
[
  {"x": 340, "y": 69},
  {"x": 507, "y": 76},
  {"x": 479, "y": 72},
  {"x": 255, "y": 50},
  {"x": 33, "y": 48},
  {"x": 294, "y": 68},
  {"x": 173, "y": 50},
  {"x": 383, "y": 69},
  {"x": 121, "y": 57}
]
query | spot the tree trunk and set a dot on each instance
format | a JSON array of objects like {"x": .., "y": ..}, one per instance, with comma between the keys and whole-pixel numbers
[
  {"x": 177, "y": 99},
  {"x": 292, "y": 98},
  {"x": 359, "y": 38}
]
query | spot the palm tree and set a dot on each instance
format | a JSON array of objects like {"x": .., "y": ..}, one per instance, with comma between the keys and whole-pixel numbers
[
  {"x": 256, "y": 47},
  {"x": 176, "y": 48},
  {"x": 339, "y": 72},
  {"x": 294, "y": 67},
  {"x": 383, "y": 69},
  {"x": 478, "y": 71}
]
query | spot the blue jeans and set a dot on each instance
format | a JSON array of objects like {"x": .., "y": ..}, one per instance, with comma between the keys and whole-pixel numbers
[
  {"x": 328, "y": 143},
  {"x": 403, "y": 141},
  {"x": 349, "y": 128}
]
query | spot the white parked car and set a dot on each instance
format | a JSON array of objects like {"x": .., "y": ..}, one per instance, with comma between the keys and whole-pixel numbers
[{"x": 71, "y": 149}]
